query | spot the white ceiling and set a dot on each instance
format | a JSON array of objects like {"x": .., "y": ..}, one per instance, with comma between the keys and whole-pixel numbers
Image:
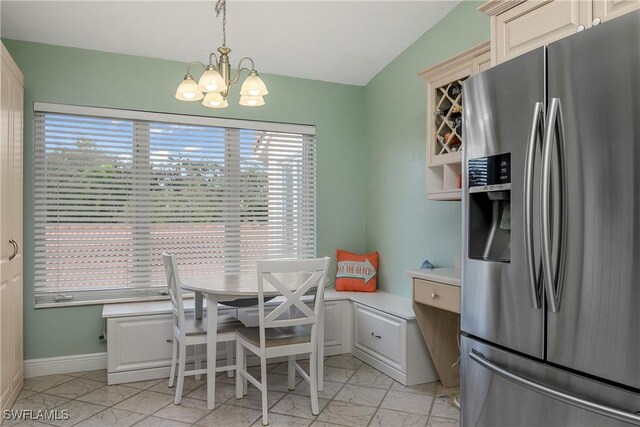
[{"x": 336, "y": 41}]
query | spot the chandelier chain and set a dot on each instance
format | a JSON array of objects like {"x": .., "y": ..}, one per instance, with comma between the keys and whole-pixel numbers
[{"x": 221, "y": 6}]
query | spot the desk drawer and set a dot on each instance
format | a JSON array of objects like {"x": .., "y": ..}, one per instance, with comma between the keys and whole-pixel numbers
[
  {"x": 446, "y": 297},
  {"x": 380, "y": 335}
]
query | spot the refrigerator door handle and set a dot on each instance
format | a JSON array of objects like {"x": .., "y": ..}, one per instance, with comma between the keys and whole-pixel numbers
[
  {"x": 554, "y": 131},
  {"x": 570, "y": 399},
  {"x": 534, "y": 268}
]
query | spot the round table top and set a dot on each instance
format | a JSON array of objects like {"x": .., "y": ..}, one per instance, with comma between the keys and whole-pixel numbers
[{"x": 240, "y": 284}]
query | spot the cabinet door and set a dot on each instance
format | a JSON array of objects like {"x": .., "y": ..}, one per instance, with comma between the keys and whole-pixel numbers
[
  {"x": 16, "y": 228},
  {"x": 609, "y": 9},
  {"x": 11, "y": 358},
  {"x": 481, "y": 63},
  {"x": 334, "y": 324},
  {"x": 532, "y": 24}
]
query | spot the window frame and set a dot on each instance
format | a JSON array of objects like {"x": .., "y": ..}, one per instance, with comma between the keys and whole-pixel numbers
[{"x": 51, "y": 298}]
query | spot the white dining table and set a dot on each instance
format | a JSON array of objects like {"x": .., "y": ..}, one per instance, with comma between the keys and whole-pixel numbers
[{"x": 229, "y": 287}]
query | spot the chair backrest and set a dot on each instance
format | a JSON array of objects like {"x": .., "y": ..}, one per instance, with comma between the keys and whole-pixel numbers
[
  {"x": 292, "y": 279},
  {"x": 173, "y": 285}
]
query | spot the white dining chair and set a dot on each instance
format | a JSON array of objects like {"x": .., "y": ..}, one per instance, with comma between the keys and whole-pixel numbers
[
  {"x": 280, "y": 335},
  {"x": 188, "y": 331}
]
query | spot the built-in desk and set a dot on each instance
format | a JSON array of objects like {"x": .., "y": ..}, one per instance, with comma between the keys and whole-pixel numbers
[{"x": 436, "y": 303}]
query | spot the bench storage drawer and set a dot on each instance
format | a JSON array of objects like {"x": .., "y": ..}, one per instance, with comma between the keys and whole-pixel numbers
[{"x": 380, "y": 335}]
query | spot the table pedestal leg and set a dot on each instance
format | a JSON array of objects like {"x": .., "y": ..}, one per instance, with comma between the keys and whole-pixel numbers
[
  {"x": 212, "y": 337},
  {"x": 198, "y": 304}
]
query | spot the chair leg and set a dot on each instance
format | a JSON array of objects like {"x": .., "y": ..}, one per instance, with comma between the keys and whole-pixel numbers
[
  {"x": 291, "y": 374},
  {"x": 174, "y": 359},
  {"x": 181, "y": 364},
  {"x": 197, "y": 359},
  {"x": 239, "y": 368},
  {"x": 230, "y": 358},
  {"x": 313, "y": 386},
  {"x": 263, "y": 381}
]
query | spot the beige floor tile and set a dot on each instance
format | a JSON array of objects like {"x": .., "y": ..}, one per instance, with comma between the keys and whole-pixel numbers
[
  {"x": 38, "y": 402},
  {"x": 113, "y": 418},
  {"x": 369, "y": 377},
  {"x": 77, "y": 374},
  {"x": 98, "y": 375},
  {"x": 360, "y": 395},
  {"x": 346, "y": 414},
  {"x": 323, "y": 424},
  {"x": 281, "y": 368},
  {"x": 109, "y": 395},
  {"x": 407, "y": 402},
  {"x": 45, "y": 382},
  {"x": 190, "y": 384},
  {"x": 444, "y": 407},
  {"x": 224, "y": 392},
  {"x": 253, "y": 399},
  {"x": 227, "y": 415},
  {"x": 343, "y": 361},
  {"x": 329, "y": 390},
  {"x": 25, "y": 393},
  {"x": 30, "y": 423},
  {"x": 441, "y": 390},
  {"x": 389, "y": 418},
  {"x": 143, "y": 385},
  {"x": 160, "y": 422},
  {"x": 425, "y": 388},
  {"x": 279, "y": 420},
  {"x": 78, "y": 411},
  {"x": 75, "y": 388},
  {"x": 146, "y": 402},
  {"x": 442, "y": 422},
  {"x": 278, "y": 382},
  {"x": 339, "y": 375},
  {"x": 297, "y": 406},
  {"x": 223, "y": 378},
  {"x": 188, "y": 411}
]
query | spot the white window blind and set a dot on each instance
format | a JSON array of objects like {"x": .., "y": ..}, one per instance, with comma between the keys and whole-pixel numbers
[{"x": 111, "y": 193}]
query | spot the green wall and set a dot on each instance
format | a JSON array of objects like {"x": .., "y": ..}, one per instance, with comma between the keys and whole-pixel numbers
[
  {"x": 83, "y": 77},
  {"x": 402, "y": 224}
]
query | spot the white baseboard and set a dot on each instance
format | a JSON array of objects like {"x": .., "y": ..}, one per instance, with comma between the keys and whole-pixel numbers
[{"x": 64, "y": 364}]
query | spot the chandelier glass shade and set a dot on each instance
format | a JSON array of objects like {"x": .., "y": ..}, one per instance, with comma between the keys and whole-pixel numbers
[{"x": 213, "y": 85}]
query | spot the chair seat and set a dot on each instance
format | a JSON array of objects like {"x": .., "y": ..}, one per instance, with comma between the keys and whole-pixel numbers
[
  {"x": 275, "y": 337},
  {"x": 195, "y": 326}
]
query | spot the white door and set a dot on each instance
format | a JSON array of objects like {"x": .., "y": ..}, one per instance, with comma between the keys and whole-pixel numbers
[{"x": 11, "y": 298}]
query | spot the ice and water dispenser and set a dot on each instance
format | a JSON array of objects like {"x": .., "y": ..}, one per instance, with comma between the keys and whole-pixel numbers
[{"x": 489, "y": 180}]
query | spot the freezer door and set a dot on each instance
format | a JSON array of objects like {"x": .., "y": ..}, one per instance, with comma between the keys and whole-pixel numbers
[
  {"x": 501, "y": 107},
  {"x": 502, "y": 389},
  {"x": 594, "y": 80}
]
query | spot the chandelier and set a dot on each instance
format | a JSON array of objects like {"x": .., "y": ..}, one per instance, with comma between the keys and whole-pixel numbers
[{"x": 214, "y": 83}]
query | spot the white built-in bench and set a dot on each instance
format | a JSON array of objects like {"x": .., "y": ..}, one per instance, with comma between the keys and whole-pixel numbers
[{"x": 378, "y": 328}]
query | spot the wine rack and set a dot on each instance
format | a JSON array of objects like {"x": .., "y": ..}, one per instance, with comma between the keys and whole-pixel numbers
[
  {"x": 445, "y": 109},
  {"x": 448, "y": 118}
]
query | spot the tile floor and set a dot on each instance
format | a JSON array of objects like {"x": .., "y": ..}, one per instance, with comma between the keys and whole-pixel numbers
[{"x": 355, "y": 394}]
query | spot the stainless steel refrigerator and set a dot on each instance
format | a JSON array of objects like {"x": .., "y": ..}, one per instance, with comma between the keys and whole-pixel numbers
[{"x": 551, "y": 235}]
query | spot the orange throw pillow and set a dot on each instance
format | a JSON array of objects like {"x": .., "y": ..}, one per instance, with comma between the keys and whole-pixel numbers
[{"x": 357, "y": 272}]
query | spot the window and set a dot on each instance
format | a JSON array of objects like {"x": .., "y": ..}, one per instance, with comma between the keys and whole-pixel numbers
[{"x": 115, "y": 188}]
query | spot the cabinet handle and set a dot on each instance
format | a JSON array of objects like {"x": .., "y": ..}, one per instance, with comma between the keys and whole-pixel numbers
[
  {"x": 434, "y": 295},
  {"x": 15, "y": 249},
  {"x": 580, "y": 28},
  {"x": 169, "y": 341},
  {"x": 596, "y": 21},
  {"x": 375, "y": 336}
]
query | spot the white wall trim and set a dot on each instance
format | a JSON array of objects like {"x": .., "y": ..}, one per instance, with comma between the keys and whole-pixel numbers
[{"x": 64, "y": 364}]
